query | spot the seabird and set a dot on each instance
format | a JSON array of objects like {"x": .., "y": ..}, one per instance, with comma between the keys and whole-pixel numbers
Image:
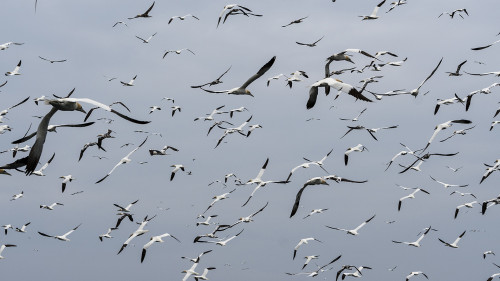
[
  {"x": 40, "y": 172},
  {"x": 218, "y": 198},
  {"x": 457, "y": 72},
  {"x": 355, "y": 230},
  {"x": 107, "y": 234},
  {"x": 140, "y": 231},
  {"x": 355, "y": 118},
  {"x": 310, "y": 44},
  {"x": 414, "y": 273},
  {"x": 454, "y": 244},
  {"x": 444, "y": 126},
  {"x": 320, "y": 269},
  {"x": 23, "y": 228},
  {"x": 5, "y": 46},
  {"x": 301, "y": 242},
  {"x": 176, "y": 167},
  {"x": 177, "y": 51},
  {"x": 124, "y": 160},
  {"x": 15, "y": 71},
  {"x": 230, "y": 7},
  {"x": 488, "y": 253},
  {"x": 130, "y": 84},
  {"x": 446, "y": 185},
  {"x": 457, "y": 11},
  {"x": 410, "y": 196},
  {"x": 359, "y": 148},
  {"x": 315, "y": 211},
  {"x": 145, "y": 14},
  {"x": 415, "y": 92},
  {"x": 214, "y": 82},
  {"x": 15, "y": 196},
  {"x": 336, "y": 84},
  {"x": 3, "y": 248},
  {"x": 144, "y": 41},
  {"x": 468, "y": 205},
  {"x": 416, "y": 243},
  {"x": 223, "y": 242},
  {"x": 153, "y": 240},
  {"x": 6, "y": 227},
  {"x": 66, "y": 179},
  {"x": 357, "y": 273},
  {"x": 295, "y": 21},
  {"x": 51, "y": 61},
  {"x": 373, "y": 15},
  {"x": 61, "y": 237},
  {"x": 51, "y": 206},
  {"x": 204, "y": 275},
  {"x": 181, "y": 18}
]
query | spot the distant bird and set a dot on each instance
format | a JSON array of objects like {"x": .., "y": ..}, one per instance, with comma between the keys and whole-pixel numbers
[
  {"x": 309, "y": 163},
  {"x": 416, "y": 91},
  {"x": 51, "y": 61},
  {"x": 210, "y": 116},
  {"x": 415, "y": 273},
  {"x": 359, "y": 148},
  {"x": 176, "y": 167},
  {"x": 357, "y": 273},
  {"x": 485, "y": 91},
  {"x": 315, "y": 211},
  {"x": 336, "y": 84},
  {"x": 214, "y": 82},
  {"x": 124, "y": 160},
  {"x": 446, "y": 185},
  {"x": 420, "y": 160},
  {"x": 493, "y": 124},
  {"x": 463, "y": 193},
  {"x": 302, "y": 242},
  {"x": 445, "y": 102},
  {"x": 411, "y": 196},
  {"x": 454, "y": 244},
  {"x": 416, "y": 243},
  {"x": 457, "y": 72},
  {"x": 295, "y": 21},
  {"x": 178, "y": 51},
  {"x": 6, "y": 227},
  {"x": 154, "y": 108},
  {"x": 355, "y": 118},
  {"x": 242, "y": 89},
  {"x": 320, "y": 269},
  {"x": 396, "y": 4},
  {"x": 355, "y": 230},
  {"x": 444, "y": 126},
  {"x": 468, "y": 205},
  {"x": 66, "y": 179},
  {"x": 2, "y": 248},
  {"x": 310, "y": 44},
  {"x": 51, "y": 206},
  {"x": 484, "y": 47},
  {"x": 140, "y": 231},
  {"x": 494, "y": 73},
  {"x": 5, "y": 46},
  {"x": 218, "y": 198},
  {"x": 15, "y": 71},
  {"x": 373, "y": 15},
  {"x": 203, "y": 276},
  {"x": 163, "y": 151},
  {"x": 15, "y": 196},
  {"x": 207, "y": 221},
  {"x": 181, "y": 18},
  {"x": 488, "y": 253},
  {"x": 175, "y": 108},
  {"x": 253, "y": 127},
  {"x": 295, "y": 77},
  {"x": 40, "y": 171},
  {"x": 223, "y": 242},
  {"x": 130, "y": 83},
  {"x": 490, "y": 170},
  {"x": 120, "y": 22},
  {"x": 457, "y": 11},
  {"x": 454, "y": 169},
  {"x": 239, "y": 109},
  {"x": 402, "y": 152},
  {"x": 153, "y": 240},
  {"x": 230, "y": 7},
  {"x": 23, "y": 228},
  {"x": 146, "y": 40},
  {"x": 61, "y": 237},
  {"x": 145, "y": 14}
]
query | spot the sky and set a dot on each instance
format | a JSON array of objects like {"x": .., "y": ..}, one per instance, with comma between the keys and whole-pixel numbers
[{"x": 82, "y": 32}]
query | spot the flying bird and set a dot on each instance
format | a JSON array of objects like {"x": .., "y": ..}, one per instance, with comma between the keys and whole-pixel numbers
[
  {"x": 310, "y": 44},
  {"x": 15, "y": 71},
  {"x": 214, "y": 82},
  {"x": 411, "y": 196},
  {"x": 60, "y": 237},
  {"x": 153, "y": 240},
  {"x": 145, "y": 40},
  {"x": 355, "y": 230},
  {"x": 373, "y": 15},
  {"x": 457, "y": 72},
  {"x": 336, "y": 84},
  {"x": 181, "y": 18},
  {"x": 51, "y": 61},
  {"x": 145, "y": 14},
  {"x": 302, "y": 242},
  {"x": 454, "y": 244},
  {"x": 130, "y": 83},
  {"x": 295, "y": 21}
]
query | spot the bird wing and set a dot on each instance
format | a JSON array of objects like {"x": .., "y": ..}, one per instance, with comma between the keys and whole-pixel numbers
[
  {"x": 375, "y": 10},
  {"x": 432, "y": 73},
  {"x": 297, "y": 201},
  {"x": 259, "y": 73}
]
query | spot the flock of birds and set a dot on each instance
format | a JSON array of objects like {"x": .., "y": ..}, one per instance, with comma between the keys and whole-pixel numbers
[{"x": 35, "y": 158}]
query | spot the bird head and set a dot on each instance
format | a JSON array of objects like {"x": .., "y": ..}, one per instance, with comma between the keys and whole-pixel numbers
[
  {"x": 80, "y": 108},
  {"x": 247, "y": 92},
  {"x": 347, "y": 58},
  {"x": 2, "y": 171}
]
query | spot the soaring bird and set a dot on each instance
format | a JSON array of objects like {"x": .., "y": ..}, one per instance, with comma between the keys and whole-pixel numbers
[
  {"x": 313, "y": 44},
  {"x": 145, "y": 14},
  {"x": 15, "y": 71},
  {"x": 295, "y": 21},
  {"x": 63, "y": 237},
  {"x": 457, "y": 72},
  {"x": 153, "y": 240},
  {"x": 336, "y": 84},
  {"x": 355, "y": 230},
  {"x": 373, "y": 15}
]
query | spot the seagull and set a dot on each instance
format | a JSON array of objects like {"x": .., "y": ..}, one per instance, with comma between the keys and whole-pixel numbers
[
  {"x": 310, "y": 44},
  {"x": 15, "y": 71},
  {"x": 468, "y": 205},
  {"x": 203, "y": 276},
  {"x": 416, "y": 243},
  {"x": 373, "y": 15},
  {"x": 456, "y": 73},
  {"x": 130, "y": 84},
  {"x": 153, "y": 240},
  {"x": 414, "y": 273},
  {"x": 295, "y": 21},
  {"x": 51, "y": 61},
  {"x": 176, "y": 167},
  {"x": 146, "y": 40},
  {"x": 181, "y": 18},
  {"x": 242, "y": 89},
  {"x": 107, "y": 234},
  {"x": 301, "y": 242},
  {"x": 140, "y": 231},
  {"x": 3, "y": 248},
  {"x": 336, "y": 84},
  {"x": 145, "y": 14},
  {"x": 23, "y": 228},
  {"x": 214, "y": 82},
  {"x": 61, "y": 237},
  {"x": 5, "y": 46},
  {"x": 51, "y": 206},
  {"x": 457, "y": 11},
  {"x": 355, "y": 118},
  {"x": 444, "y": 126},
  {"x": 315, "y": 211},
  {"x": 358, "y": 147},
  {"x": 177, "y": 51},
  {"x": 355, "y": 230},
  {"x": 40, "y": 172},
  {"x": 411, "y": 196},
  {"x": 488, "y": 253},
  {"x": 454, "y": 244},
  {"x": 124, "y": 160}
]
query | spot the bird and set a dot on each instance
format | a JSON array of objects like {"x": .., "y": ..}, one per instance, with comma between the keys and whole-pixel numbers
[
  {"x": 5, "y": 46},
  {"x": 355, "y": 230},
  {"x": 308, "y": 259},
  {"x": 15, "y": 71},
  {"x": 40, "y": 171},
  {"x": 454, "y": 244},
  {"x": 153, "y": 240},
  {"x": 61, "y": 237},
  {"x": 214, "y": 82},
  {"x": 196, "y": 260},
  {"x": 242, "y": 90},
  {"x": 6, "y": 227},
  {"x": 203, "y": 276},
  {"x": 493, "y": 124},
  {"x": 230, "y": 7},
  {"x": 145, "y": 14},
  {"x": 336, "y": 84},
  {"x": 124, "y": 160},
  {"x": 346, "y": 267},
  {"x": 457, "y": 72},
  {"x": 416, "y": 243},
  {"x": 2, "y": 248},
  {"x": 295, "y": 21},
  {"x": 191, "y": 271},
  {"x": 373, "y": 15},
  {"x": 457, "y": 11},
  {"x": 493, "y": 276},
  {"x": 120, "y": 22},
  {"x": 446, "y": 185},
  {"x": 454, "y": 169},
  {"x": 178, "y": 52},
  {"x": 140, "y": 231},
  {"x": 420, "y": 160},
  {"x": 302, "y": 242},
  {"x": 357, "y": 273},
  {"x": 414, "y": 273},
  {"x": 239, "y": 109},
  {"x": 207, "y": 221},
  {"x": 176, "y": 167},
  {"x": 51, "y": 61},
  {"x": 218, "y": 198},
  {"x": 444, "y": 126},
  {"x": 411, "y": 196},
  {"x": 484, "y": 47},
  {"x": 23, "y": 228},
  {"x": 223, "y": 242},
  {"x": 181, "y": 18},
  {"x": 358, "y": 147},
  {"x": 295, "y": 77},
  {"x": 315, "y": 211},
  {"x": 463, "y": 193},
  {"x": 416, "y": 91},
  {"x": 162, "y": 151},
  {"x": 15, "y": 196},
  {"x": 51, "y": 206},
  {"x": 320, "y": 269},
  {"x": 488, "y": 253},
  {"x": 310, "y": 44},
  {"x": 146, "y": 40},
  {"x": 229, "y": 131},
  {"x": 355, "y": 118},
  {"x": 253, "y": 127},
  {"x": 485, "y": 91},
  {"x": 66, "y": 179},
  {"x": 107, "y": 234},
  {"x": 130, "y": 83},
  {"x": 175, "y": 108},
  {"x": 402, "y": 152},
  {"x": 468, "y": 205},
  {"x": 210, "y": 116},
  {"x": 494, "y": 73},
  {"x": 396, "y": 4},
  {"x": 445, "y": 102}
]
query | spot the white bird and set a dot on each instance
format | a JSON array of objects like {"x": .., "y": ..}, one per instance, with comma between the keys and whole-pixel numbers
[
  {"x": 414, "y": 273},
  {"x": 446, "y": 185},
  {"x": 130, "y": 83},
  {"x": 15, "y": 71},
  {"x": 315, "y": 211},
  {"x": 457, "y": 72},
  {"x": 154, "y": 108},
  {"x": 230, "y": 7},
  {"x": 6, "y": 227},
  {"x": 140, "y": 231},
  {"x": 23, "y": 228},
  {"x": 416, "y": 243},
  {"x": 178, "y": 52},
  {"x": 145, "y": 41},
  {"x": 468, "y": 205},
  {"x": 203, "y": 276},
  {"x": 320, "y": 269},
  {"x": 239, "y": 109},
  {"x": 253, "y": 127},
  {"x": 396, "y": 4},
  {"x": 181, "y": 18},
  {"x": 176, "y": 167},
  {"x": 454, "y": 244},
  {"x": 196, "y": 260},
  {"x": 444, "y": 126},
  {"x": 415, "y": 91},
  {"x": 210, "y": 116},
  {"x": 3, "y": 248},
  {"x": 355, "y": 230},
  {"x": 66, "y": 179},
  {"x": 218, "y": 198},
  {"x": 445, "y": 102},
  {"x": 308, "y": 164},
  {"x": 458, "y": 132},
  {"x": 310, "y": 44},
  {"x": 61, "y": 237},
  {"x": 258, "y": 178},
  {"x": 162, "y": 151},
  {"x": 125, "y": 209},
  {"x": 308, "y": 259},
  {"x": 373, "y": 15},
  {"x": 242, "y": 89},
  {"x": 295, "y": 21},
  {"x": 191, "y": 271},
  {"x": 494, "y": 73},
  {"x": 175, "y": 108},
  {"x": 355, "y": 118},
  {"x": 124, "y": 160},
  {"x": 463, "y": 193},
  {"x": 359, "y": 148},
  {"x": 5, "y": 46},
  {"x": 356, "y": 273},
  {"x": 485, "y": 91},
  {"x": 51, "y": 61},
  {"x": 207, "y": 221},
  {"x": 107, "y": 234},
  {"x": 51, "y": 206},
  {"x": 401, "y": 153},
  {"x": 40, "y": 171},
  {"x": 16, "y": 196},
  {"x": 493, "y": 276},
  {"x": 302, "y": 242},
  {"x": 277, "y": 77},
  {"x": 336, "y": 84},
  {"x": 224, "y": 242},
  {"x": 228, "y": 131},
  {"x": 153, "y": 240},
  {"x": 488, "y": 253},
  {"x": 493, "y": 124},
  {"x": 490, "y": 170},
  {"x": 410, "y": 196}
]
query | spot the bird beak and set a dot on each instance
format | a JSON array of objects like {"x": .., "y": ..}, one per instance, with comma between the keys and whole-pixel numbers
[
  {"x": 4, "y": 172},
  {"x": 82, "y": 110}
]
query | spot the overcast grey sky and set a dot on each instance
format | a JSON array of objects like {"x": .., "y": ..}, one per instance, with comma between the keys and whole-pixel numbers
[{"x": 81, "y": 32}]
